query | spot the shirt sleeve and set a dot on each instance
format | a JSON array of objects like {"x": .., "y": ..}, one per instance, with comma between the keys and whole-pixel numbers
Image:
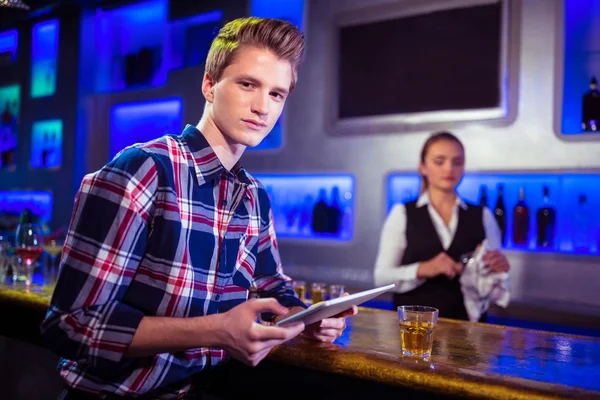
[
  {"x": 87, "y": 320},
  {"x": 269, "y": 278},
  {"x": 392, "y": 244}
]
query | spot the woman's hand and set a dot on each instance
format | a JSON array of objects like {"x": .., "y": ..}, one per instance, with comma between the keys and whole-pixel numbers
[{"x": 442, "y": 264}]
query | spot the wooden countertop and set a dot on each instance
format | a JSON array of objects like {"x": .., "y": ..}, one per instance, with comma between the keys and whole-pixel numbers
[{"x": 468, "y": 360}]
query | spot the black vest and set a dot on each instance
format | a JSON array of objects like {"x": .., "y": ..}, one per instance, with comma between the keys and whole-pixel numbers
[{"x": 423, "y": 243}]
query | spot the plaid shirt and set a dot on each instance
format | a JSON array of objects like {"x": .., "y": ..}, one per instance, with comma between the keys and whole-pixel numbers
[{"x": 162, "y": 230}]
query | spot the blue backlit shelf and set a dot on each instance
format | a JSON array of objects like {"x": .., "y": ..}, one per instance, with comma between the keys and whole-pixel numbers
[
  {"x": 139, "y": 122},
  {"x": 9, "y": 43},
  {"x": 44, "y": 55},
  {"x": 311, "y": 206},
  {"x": 10, "y": 106},
  {"x": 575, "y": 223},
  {"x": 13, "y": 202},
  {"x": 46, "y": 144},
  {"x": 136, "y": 46},
  {"x": 581, "y": 60}
]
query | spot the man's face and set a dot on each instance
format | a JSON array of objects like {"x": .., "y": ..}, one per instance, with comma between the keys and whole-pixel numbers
[{"x": 249, "y": 97}]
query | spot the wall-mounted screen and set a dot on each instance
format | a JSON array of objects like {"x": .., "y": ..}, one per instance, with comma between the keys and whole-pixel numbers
[
  {"x": 311, "y": 206},
  {"x": 428, "y": 62}
]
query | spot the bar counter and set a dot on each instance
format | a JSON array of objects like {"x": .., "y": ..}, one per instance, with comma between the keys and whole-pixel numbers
[{"x": 469, "y": 360}]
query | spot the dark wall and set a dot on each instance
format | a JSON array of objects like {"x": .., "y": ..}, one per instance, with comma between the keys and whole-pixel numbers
[{"x": 60, "y": 105}]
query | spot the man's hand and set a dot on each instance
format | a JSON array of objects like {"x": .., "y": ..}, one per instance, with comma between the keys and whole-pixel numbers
[
  {"x": 249, "y": 342},
  {"x": 327, "y": 330}
]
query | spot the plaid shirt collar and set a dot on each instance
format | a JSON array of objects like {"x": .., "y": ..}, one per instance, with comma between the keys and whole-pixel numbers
[{"x": 205, "y": 162}]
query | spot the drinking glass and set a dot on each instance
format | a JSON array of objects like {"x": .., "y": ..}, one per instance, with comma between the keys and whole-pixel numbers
[
  {"x": 417, "y": 324},
  {"x": 28, "y": 246}
]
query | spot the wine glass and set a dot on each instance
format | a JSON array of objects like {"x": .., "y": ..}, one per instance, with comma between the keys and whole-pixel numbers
[
  {"x": 53, "y": 247},
  {"x": 28, "y": 246}
]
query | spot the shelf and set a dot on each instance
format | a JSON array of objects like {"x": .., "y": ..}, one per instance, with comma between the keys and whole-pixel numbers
[
  {"x": 573, "y": 224},
  {"x": 10, "y": 104},
  {"x": 46, "y": 144},
  {"x": 140, "y": 122},
  {"x": 581, "y": 61},
  {"x": 9, "y": 43},
  {"x": 311, "y": 206},
  {"x": 128, "y": 56},
  {"x": 44, "y": 55}
]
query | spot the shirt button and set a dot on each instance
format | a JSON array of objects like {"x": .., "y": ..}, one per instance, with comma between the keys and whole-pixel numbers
[
  {"x": 224, "y": 202},
  {"x": 217, "y": 297}
]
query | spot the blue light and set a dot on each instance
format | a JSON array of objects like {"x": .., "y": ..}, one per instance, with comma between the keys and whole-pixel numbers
[
  {"x": 46, "y": 144},
  {"x": 10, "y": 106},
  {"x": 9, "y": 42},
  {"x": 44, "y": 51},
  {"x": 124, "y": 32},
  {"x": 299, "y": 212},
  {"x": 13, "y": 202},
  {"x": 581, "y": 59},
  {"x": 565, "y": 190},
  {"x": 292, "y": 11},
  {"x": 191, "y": 38},
  {"x": 132, "y": 123},
  {"x": 289, "y": 10}
]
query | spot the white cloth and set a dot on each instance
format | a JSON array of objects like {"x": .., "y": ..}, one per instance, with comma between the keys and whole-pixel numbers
[
  {"x": 392, "y": 245},
  {"x": 480, "y": 287}
]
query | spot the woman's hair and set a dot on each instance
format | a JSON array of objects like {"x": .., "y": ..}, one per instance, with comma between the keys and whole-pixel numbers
[{"x": 434, "y": 138}]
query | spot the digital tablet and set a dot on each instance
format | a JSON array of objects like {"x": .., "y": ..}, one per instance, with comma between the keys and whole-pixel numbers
[{"x": 329, "y": 308}]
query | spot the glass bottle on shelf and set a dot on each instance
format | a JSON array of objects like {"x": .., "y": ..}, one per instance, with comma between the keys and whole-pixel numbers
[
  {"x": 500, "y": 213},
  {"x": 590, "y": 108},
  {"x": 483, "y": 198},
  {"x": 521, "y": 221},
  {"x": 581, "y": 226},
  {"x": 546, "y": 222}
]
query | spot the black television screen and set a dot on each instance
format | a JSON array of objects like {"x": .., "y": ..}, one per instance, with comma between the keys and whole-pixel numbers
[{"x": 446, "y": 60}]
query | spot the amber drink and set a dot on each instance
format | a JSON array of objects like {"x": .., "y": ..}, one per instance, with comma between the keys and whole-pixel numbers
[{"x": 417, "y": 324}]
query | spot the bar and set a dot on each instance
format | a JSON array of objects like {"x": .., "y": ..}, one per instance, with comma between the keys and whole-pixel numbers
[{"x": 470, "y": 360}]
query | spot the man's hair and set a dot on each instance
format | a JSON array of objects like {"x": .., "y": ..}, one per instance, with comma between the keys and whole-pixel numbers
[{"x": 280, "y": 37}]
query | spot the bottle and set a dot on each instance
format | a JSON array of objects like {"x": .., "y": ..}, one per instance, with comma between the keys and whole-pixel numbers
[
  {"x": 546, "y": 222},
  {"x": 483, "y": 199},
  {"x": 500, "y": 213},
  {"x": 521, "y": 220},
  {"x": 581, "y": 226},
  {"x": 590, "y": 109}
]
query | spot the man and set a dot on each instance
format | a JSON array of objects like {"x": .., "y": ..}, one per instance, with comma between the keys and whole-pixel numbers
[{"x": 167, "y": 239}]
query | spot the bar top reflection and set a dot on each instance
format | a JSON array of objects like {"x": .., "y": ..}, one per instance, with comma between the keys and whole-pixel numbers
[{"x": 468, "y": 359}]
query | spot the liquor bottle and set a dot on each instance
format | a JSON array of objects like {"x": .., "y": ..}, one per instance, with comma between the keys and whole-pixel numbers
[
  {"x": 500, "y": 213},
  {"x": 581, "y": 226},
  {"x": 483, "y": 199},
  {"x": 521, "y": 220},
  {"x": 546, "y": 222},
  {"x": 590, "y": 115}
]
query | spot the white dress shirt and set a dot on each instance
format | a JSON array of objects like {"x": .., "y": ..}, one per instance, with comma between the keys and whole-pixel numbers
[{"x": 388, "y": 268}]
